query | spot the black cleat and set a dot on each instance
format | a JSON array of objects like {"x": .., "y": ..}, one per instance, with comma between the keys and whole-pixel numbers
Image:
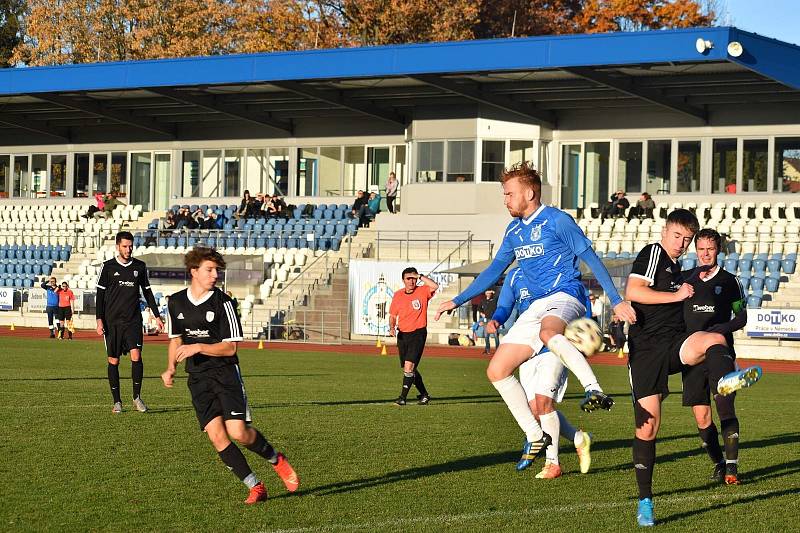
[
  {"x": 400, "y": 401},
  {"x": 594, "y": 400},
  {"x": 424, "y": 400},
  {"x": 532, "y": 450},
  {"x": 718, "y": 475}
]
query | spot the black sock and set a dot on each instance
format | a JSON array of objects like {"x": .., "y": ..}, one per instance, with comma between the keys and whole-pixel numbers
[
  {"x": 719, "y": 362},
  {"x": 263, "y": 448},
  {"x": 644, "y": 458},
  {"x": 408, "y": 380},
  {"x": 730, "y": 436},
  {"x": 234, "y": 459},
  {"x": 418, "y": 383},
  {"x": 113, "y": 381},
  {"x": 137, "y": 373},
  {"x": 710, "y": 439}
]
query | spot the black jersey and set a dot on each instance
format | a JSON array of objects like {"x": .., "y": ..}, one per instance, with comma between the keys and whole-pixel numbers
[
  {"x": 654, "y": 265},
  {"x": 210, "y": 320},
  {"x": 715, "y": 300},
  {"x": 118, "y": 287}
]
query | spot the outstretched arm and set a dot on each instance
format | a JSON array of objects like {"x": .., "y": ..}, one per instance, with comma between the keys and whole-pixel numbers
[{"x": 621, "y": 308}]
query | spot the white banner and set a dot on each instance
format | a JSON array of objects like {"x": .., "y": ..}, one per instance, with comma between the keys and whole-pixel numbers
[
  {"x": 37, "y": 300},
  {"x": 782, "y": 323},
  {"x": 6, "y": 298},
  {"x": 372, "y": 284}
]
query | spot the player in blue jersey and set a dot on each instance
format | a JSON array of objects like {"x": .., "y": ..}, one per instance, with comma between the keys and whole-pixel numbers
[
  {"x": 543, "y": 377},
  {"x": 547, "y": 243}
]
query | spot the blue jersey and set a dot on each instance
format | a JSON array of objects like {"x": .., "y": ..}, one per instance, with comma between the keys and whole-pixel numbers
[
  {"x": 52, "y": 296},
  {"x": 546, "y": 245},
  {"x": 514, "y": 292}
]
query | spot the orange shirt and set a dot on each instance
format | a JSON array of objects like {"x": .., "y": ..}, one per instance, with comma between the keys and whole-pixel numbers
[
  {"x": 411, "y": 310},
  {"x": 65, "y": 297}
]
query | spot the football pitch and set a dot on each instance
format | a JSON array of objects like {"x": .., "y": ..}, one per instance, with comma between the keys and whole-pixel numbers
[{"x": 68, "y": 464}]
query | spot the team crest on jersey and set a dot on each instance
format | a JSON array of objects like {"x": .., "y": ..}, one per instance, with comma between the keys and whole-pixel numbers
[
  {"x": 180, "y": 316},
  {"x": 135, "y": 273},
  {"x": 536, "y": 232},
  {"x": 416, "y": 305},
  {"x": 717, "y": 290},
  {"x": 209, "y": 316}
]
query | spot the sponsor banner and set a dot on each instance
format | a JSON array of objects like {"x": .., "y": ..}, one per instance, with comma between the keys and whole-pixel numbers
[
  {"x": 6, "y": 298},
  {"x": 372, "y": 284},
  {"x": 37, "y": 300},
  {"x": 781, "y": 323}
]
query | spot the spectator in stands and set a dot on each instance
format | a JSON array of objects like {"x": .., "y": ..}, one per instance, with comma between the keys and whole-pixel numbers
[
  {"x": 198, "y": 217},
  {"x": 95, "y": 208},
  {"x": 391, "y": 191},
  {"x": 616, "y": 206},
  {"x": 357, "y": 211},
  {"x": 169, "y": 220},
  {"x": 209, "y": 221},
  {"x": 260, "y": 199},
  {"x": 65, "y": 309},
  {"x": 488, "y": 307},
  {"x": 644, "y": 208},
  {"x": 110, "y": 203},
  {"x": 616, "y": 332},
  {"x": 268, "y": 207},
  {"x": 51, "y": 286},
  {"x": 183, "y": 219},
  {"x": 246, "y": 207},
  {"x": 281, "y": 209},
  {"x": 373, "y": 207}
]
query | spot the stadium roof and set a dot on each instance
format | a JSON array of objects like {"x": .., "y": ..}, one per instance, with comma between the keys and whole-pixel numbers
[{"x": 538, "y": 78}]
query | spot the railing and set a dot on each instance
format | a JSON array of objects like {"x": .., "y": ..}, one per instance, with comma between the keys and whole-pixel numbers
[
  {"x": 300, "y": 327},
  {"x": 304, "y": 276},
  {"x": 434, "y": 244},
  {"x": 63, "y": 237}
]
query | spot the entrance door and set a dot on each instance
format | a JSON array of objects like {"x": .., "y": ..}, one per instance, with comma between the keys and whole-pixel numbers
[
  {"x": 570, "y": 175},
  {"x": 161, "y": 180},
  {"x": 141, "y": 166},
  {"x": 378, "y": 169}
]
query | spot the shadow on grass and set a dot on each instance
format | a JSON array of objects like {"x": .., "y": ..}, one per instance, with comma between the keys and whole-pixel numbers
[
  {"x": 177, "y": 378},
  {"x": 761, "y": 474},
  {"x": 693, "y": 513}
]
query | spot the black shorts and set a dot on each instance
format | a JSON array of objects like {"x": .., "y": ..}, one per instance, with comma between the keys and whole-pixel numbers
[
  {"x": 697, "y": 385},
  {"x": 122, "y": 338},
  {"x": 64, "y": 313},
  {"x": 652, "y": 359},
  {"x": 219, "y": 392},
  {"x": 411, "y": 344}
]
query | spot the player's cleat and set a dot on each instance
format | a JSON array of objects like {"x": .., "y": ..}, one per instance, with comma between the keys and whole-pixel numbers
[
  {"x": 730, "y": 383},
  {"x": 718, "y": 475},
  {"x": 531, "y": 450},
  {"x": 550, "y": 471},
  {"x": 644, "y": 514},
  {"x": 139, "y": 404},
  {"x": 583, "y": 451},
  {"x": 424, "y": 400},
  {"x": 400, "y": 401},
  {"x": 117, "y": 409},
  {"x": 286, "y": 473},
  {"x": 52, "y": 335},
  {"x": 732, "y": 474},
  {"x": 257, "y": 494},
  {"x": 595, "y": 399}
]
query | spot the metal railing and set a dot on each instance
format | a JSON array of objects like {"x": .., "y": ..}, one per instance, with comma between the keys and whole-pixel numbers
[
  {"x": 318, "y": 327},
  {"x": 431, "y": 245},
  {"x": 307, "y": 281}
]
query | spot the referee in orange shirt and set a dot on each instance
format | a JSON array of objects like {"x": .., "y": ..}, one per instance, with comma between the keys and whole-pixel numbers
[{"x": 409, "y": 314}]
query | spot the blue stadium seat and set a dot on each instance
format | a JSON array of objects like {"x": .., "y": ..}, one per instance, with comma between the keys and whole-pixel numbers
[
  {"x": 749, "y": 256},
  {"x": 240, "y": 223},
  {"x": 759, "y": 265},
  {"x": 328, "y": 230},
  {"x": 772, "y": 284},
  {"x": 291, "y": 242},
  {"x": 763, "y": 256},
  {"x": 47, "y": 269},
  {"x": 172, "y": 242},
  {"x": 261, "y": 242},
  {"x": 757, "y": 284},
  {"x": 240, "y": 242},
  {"x": 774, "y": 265},
  {"x": 336, "y": 242},
  {"x": 27, "y": 283},
  {"x": 745, "y": 265},
  {"x": 745, "y": 284},
  {"x": 687, "y": 263},
  {"x": 731, "y": 265},
  {"x": 753, "y": 302},
  {"x": 788, "y": 266},
  {"x": 691, "y": 255},
  {"x": 328, "y": 214},
  {"x": 778, "y": 256},
  {"x": 272, "y": 242},
  {"x": 3, "y": 253}
]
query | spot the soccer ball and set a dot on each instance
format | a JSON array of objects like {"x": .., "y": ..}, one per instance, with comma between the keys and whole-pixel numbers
[{"x": 585, "y": 335}]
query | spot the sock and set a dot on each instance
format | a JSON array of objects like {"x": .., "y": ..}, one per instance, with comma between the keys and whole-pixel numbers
[
  {"x": 137, "y": 374},
  {"x": 113, "y": 381},
  {"x": 575, "y": 361},
  {"x": 577, "y": 440},
  {"x": 419, "y": 384},
  {"x": 263, "y": 448},
  {"x": 719, "y": 362},
  {"x": 514, "y": 396},
  {"x": 644, "y": 458},
  {"x": 408, "y": 380},
  {"x": 710, "y": 439},
  {"x": 568, "y": 431},
  {"x": 234, "y": 459},
  {"x": 730, "y": 436},
  {"x": 551, "y": 426}
]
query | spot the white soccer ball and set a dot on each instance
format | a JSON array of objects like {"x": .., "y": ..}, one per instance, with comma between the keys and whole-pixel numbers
[{"x": 585, "y": 335}]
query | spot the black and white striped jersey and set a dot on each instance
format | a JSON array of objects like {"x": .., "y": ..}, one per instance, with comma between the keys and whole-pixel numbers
[
  {"x": 654, "y": 265},
  {"x": 210, "y": 320}
]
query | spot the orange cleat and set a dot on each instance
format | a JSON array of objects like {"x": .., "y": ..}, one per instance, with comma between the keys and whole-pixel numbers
[
  {"x": 732, "y": 480},
  {"x": 287, "y": 473},
  {"x": 257, "y": 494},
  {"x": 550, "y": 471}
]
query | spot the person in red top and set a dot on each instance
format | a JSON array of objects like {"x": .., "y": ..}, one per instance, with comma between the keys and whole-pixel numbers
[
  {"x": 65, "y": 299},
  {"x": 408, "y": 313}
]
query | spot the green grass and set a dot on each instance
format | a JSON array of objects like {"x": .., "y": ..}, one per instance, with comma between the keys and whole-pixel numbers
[{"x": 68, "y": 464}]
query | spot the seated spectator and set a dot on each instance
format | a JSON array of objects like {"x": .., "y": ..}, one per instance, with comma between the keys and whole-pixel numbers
[
  {"x": 616, "y": 206},
  {"x": 169, "y": 220},
  {"x": 246, "y": 207},
  {"x": 281, "y": 209},
  {"x": 373, "y": 207},
  {"x": 100, "y": 203},
  {"x": 183, "y": 219},
  {"x": 644, "y": 208},
  {"x": 209, "y": 220},
  {"x": 110, "y": 202},
  {"x": 359, "y": 205},
  {"x": 198, "y": 217}
]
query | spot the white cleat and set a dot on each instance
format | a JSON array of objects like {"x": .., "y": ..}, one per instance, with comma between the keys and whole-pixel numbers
[
  {"x": 140, "y": 406},
  {"x": 117, "y": 409},
  {"x": 583, "y": 451},
  {"x": 739, "y": 379}
]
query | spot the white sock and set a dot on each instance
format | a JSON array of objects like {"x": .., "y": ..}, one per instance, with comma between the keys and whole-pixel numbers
[
  {"x": 568, "y": 431},
  {"x": 575, "y": 361},
  {"x": 577, "y": 440},
  {"x": 514, "y": 396},
  {"x": 551, "y": 426}
]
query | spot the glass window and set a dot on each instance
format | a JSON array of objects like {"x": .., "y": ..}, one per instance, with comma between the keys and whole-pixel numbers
[
  {"x": 279, "y": 170},
  {"x": 493, "y": 161},
  {"x": 5, "y": 171},
  {"x": 100, "y": 173},
  {"x": 754, "y": 165},
  {"x": 161, "y": 180},
  {"x": 461, "y": 161},
  {"x": 659, "y": 161},
  {"x": 38, "y": 175},
  {"x": 430, "y": 161},
  {"x": 81, "y": 168},
  {"x": 355, "y": 170},
  {"x": 307, "y": 169},
  {"x": 570, "y": 175},
  {"x": 232, "y": 173},
  {"x": 629, "y": 167},
  {"x": 688, "y": 166},
  {"x": 723, "y": 167},
  {"x": 544, "y": 160},
  {"x": 400, "y": 163},
  {"x": 330, "y": 158},
  {"x": 190, "y": 170},
  {"x": 787, "y": 164},
  {"x": 140, "y": 179},
  {"x": 119, "y": 173},
  {"x": 595, "y": 173},
  {"x": 520, "y": 151},
  {"x": 256, "y": 171},
  {"x": 210, "y": 183}
]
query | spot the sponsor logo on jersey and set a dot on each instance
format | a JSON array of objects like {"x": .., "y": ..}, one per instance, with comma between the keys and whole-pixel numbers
[
  {"x": 123, "y": 283},
  {"x": 209, "y": 316},
  {"x": 197, "y": 332},
  {"x": 702, "y": 308},
  {"x": 528, "y": 251},
  {"x": 416, "y": 305},
  {"x": 524, "y": 293},
  {"x": 180, "y": 316}
]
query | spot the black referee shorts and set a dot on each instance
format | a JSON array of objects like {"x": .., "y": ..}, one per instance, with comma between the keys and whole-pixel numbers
[
  {"x": 651, "y": 361},
  {"x": 64, "y": 313},
  {"x": 122, "y": 338},
  {"x": 697, "y": 385},
  {"x": 219, "y": 392},
  {"x": 411, "y": 345}
]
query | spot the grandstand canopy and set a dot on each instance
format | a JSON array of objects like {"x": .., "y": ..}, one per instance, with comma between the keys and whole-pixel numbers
[{"x": 538, "y": 78}]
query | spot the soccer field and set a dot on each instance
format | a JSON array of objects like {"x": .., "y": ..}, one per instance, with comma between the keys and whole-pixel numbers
[{"x": 68, "y": 464}]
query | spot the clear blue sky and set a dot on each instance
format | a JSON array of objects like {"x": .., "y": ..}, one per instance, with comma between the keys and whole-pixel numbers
[{"x": 779, "y": 19}]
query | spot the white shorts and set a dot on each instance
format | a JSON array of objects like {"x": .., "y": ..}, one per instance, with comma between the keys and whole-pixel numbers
[
  {"x": 545, "y": 375},
  {"x": 526, "y": 329}
]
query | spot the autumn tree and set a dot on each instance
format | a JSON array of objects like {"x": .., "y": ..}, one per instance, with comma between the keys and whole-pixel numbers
[{"x": 11, "y": 12}]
